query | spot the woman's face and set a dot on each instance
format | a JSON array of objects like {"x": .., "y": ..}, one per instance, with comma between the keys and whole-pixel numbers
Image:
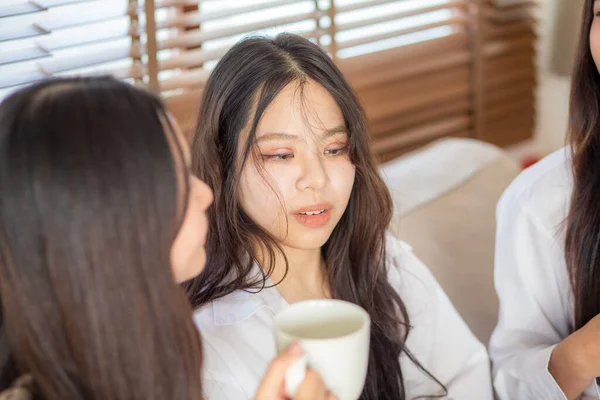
[
  {"x": 188, "y": 255},
  {"x": 299, "y": 188}
]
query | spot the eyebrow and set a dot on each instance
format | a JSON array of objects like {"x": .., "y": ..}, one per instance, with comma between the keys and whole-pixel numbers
[{"x": 340, "y": 129}]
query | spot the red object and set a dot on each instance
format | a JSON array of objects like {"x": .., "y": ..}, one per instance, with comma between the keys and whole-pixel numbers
[{"x": 529, "y": 160}]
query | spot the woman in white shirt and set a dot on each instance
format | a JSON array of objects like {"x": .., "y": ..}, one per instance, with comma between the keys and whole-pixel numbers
[
  {"x": 301, "y": 213},
  {"x": 547, "y": 342}
]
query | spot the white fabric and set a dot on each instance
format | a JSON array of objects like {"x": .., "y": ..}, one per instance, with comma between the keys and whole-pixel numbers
[
  {"x": 427, "y": 174},
  {"x": 532, "y": 282},
  {"x": 237, "y": 333}
]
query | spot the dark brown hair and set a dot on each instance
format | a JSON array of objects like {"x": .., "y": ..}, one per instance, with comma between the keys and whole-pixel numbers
[
  {"x": 237, "y": 94},
  {"x": 582, "y": 247},
  {"x": 88, "y": 213}
]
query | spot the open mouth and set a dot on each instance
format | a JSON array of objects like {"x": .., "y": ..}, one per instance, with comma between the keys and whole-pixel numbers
[
  {"x": 313, "y": 212},
  {"x": 314, "y": 216}
]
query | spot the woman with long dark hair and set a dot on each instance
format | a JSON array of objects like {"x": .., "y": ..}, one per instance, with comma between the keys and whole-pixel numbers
[
  {"x": 100, "y": 218},
  {"x": 300, "y": 213},
  {"x": 547, "y": 342}
]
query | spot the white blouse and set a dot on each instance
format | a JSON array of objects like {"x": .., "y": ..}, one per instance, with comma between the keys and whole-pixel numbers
[
  {"x": 536, "y": 302},
  {"x": 238, "y": 341}
]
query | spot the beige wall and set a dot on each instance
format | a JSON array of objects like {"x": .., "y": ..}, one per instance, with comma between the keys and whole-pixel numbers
[{"x": 553, "y": 89}]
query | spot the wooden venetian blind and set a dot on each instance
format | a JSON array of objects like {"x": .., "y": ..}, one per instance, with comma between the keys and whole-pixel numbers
[
  {"x": 410, "y": 64},
  {"x": 408, "y": 60},
  {"x": 45, "y": 38},
  {"x": 505, "y": 73},
  {"x": 423, "y": 69}
]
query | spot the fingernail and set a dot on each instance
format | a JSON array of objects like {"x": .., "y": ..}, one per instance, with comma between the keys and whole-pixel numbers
[{"x": 295, "y": 349}]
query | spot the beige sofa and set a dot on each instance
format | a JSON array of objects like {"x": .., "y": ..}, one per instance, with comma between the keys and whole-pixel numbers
[{"x": 445, "y": 196}]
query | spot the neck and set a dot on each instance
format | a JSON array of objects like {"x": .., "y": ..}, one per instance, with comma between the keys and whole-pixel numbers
[{"x": 306, "y": 277}]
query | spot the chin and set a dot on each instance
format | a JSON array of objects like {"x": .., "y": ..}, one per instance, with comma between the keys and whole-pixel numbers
[
  {"x": 193, "y": 267},
  {"x": 313, "y": 239}
]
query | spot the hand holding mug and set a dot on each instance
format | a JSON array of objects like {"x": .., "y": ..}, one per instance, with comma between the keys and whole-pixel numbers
[{"x": 272, "y": 386}]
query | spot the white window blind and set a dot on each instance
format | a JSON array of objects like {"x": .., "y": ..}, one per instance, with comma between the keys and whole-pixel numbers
[{"x": 56, "y": 37}]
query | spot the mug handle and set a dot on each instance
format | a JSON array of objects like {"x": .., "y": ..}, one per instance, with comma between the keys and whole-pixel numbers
[{"x": 295, "y": 375}]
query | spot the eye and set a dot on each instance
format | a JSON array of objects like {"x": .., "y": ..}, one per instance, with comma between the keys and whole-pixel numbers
[
  {"x": 337, "y": 151},
  {"x": 281, "y": 157}
]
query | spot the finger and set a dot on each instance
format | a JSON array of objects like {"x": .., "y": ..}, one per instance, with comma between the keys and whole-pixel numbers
[
  {"x": 274, "y": 378},
  {"x": 312, "y": 387}
]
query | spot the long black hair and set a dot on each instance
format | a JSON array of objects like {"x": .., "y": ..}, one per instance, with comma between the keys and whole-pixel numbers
[
  {"x": 582, "y": 247},
  {"x": 88, "y": 213}
]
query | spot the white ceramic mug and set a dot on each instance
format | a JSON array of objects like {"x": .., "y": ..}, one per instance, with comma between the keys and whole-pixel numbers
[{"x": 335, "y": 338}]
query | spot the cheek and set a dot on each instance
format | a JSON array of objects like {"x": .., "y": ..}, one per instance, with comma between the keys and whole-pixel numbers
[
  {"x": 187, "y": 257},
  {"x": 341, "y": 176},
  {"x": 595, "y": 42},
  {"x": 194, "y": 224},
  {"x": 261, "y": 196}
]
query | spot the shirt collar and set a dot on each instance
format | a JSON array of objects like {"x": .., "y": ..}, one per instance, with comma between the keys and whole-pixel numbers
[{"x": 243, "y": 304}]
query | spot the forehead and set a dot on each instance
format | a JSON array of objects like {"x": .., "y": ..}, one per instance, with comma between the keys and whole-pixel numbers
[{"x": 301, "y": 108}]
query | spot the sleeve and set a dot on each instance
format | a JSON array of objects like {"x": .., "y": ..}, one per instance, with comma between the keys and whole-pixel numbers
[
  {"x": 441, "y": 341},
  {"x": 530, "y": 279}
]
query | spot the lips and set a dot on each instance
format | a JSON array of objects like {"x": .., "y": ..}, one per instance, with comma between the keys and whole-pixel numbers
[{"x": 314, "y": 216}]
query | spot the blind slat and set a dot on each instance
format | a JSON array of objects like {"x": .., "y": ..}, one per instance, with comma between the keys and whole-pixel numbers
[
  {"x": 60, "y": 21},
  {"x": 20, "y": 32},
  {"x": 508, "y": 13},
  {"x": 519, "y": 90},
  {"x": 510, "y": 62},
  {"x": 362, "y": 4},
  {"x": 420, "y": 134},
  {"x": 53, "y": 19},
  {"x": 197, "y": 18},
  {"x": 427, "y": 65},
  {"x": 34, "y": 73},
  {"x": 198, "y": 57},
  {"x": 158, "y": 4},
  {"x": 397, "y": 15},
  {"x": 497, "y": 31},
  {"x": 187, "y": 79},
  {"x": 18, "y": 9},
  {"x": 57, "y": 3},
  {"x": 196, "y": 38},
  {"x": 19, "y": 55},
  {"x": 501, "y": 47},
  {"x": 502, "y": 79},
  {"x": 405, "y": 54},
  {"x": 416, "y": 95},
  {"x": 504, "y": 109},
  {"x": 116, "y": 52},
  {"x": 398, "y": 32},
  {"x": 459, "y": 106}
]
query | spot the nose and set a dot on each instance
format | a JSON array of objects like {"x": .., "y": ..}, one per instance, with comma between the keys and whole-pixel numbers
[{"x": 314, "y": 174}]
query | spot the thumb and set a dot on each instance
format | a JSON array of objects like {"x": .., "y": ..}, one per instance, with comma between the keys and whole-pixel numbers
[{"x": 272, "y": 384}]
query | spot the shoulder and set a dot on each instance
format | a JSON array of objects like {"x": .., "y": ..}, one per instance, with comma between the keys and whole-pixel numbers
[
  {"x": 236, "y": 332},
  {"x": 543, "y": 191},
  {"x": 407, "y": 274}
]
